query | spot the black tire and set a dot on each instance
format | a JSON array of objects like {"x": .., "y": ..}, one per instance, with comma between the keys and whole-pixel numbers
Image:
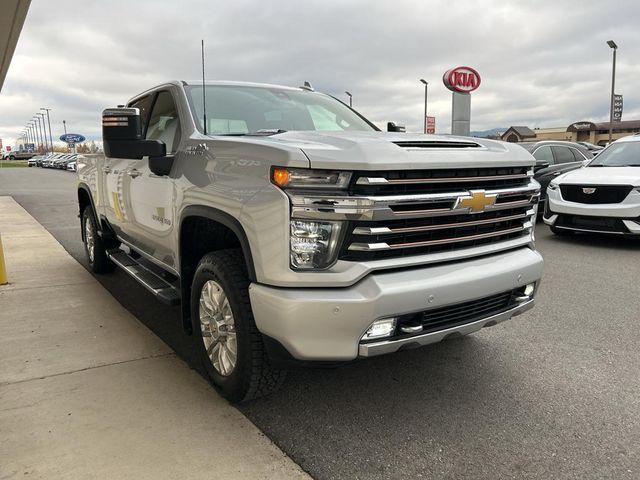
[
  {"x": 98, "y": 262},
  {"x": 11, "y": 157},
  {"x": 253, "y": 375},
  {"x": 560, "y": 232}
]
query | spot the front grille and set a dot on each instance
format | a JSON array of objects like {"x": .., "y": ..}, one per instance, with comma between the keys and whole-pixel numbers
[
  {"x": 601, "y": 194},
  {"x": 434, "y": 234},
  {"x": 419, "y": 211},
  {"x": 583, "y": 222},
  {"x": 409, "y": 182}
]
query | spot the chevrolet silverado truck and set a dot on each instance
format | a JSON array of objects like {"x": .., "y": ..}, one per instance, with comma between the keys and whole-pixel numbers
[{"x": 292, "y": 231}]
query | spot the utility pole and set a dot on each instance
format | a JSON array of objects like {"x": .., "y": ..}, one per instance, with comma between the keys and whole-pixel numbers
[
  {"x": 49, "y": 123},
  {"x": 426, "y": 85},
  {"x": 614, "y": 47}
]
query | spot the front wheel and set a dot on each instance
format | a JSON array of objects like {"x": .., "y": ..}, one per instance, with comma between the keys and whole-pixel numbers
[
  {"x": 229, "y": 344},
  {"x": 94, "y": 245}
]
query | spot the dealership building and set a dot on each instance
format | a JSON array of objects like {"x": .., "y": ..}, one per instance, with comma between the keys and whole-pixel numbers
[{"x": 596, "y": 133}]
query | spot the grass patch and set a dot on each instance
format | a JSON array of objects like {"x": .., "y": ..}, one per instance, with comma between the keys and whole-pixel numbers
[{"x": 13, "y": 163}]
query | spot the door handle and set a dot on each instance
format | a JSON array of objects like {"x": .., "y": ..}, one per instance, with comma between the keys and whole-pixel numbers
[
  {"x": 134, "y": 173},
  {"x": 106, "y": 169}
]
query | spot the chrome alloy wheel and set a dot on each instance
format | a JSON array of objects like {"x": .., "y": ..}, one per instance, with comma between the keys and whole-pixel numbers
[
  {"x": 218, "y": 328},
  {"x": 89, "y": 239}
]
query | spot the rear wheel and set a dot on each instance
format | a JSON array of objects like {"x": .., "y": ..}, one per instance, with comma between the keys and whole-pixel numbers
[
  {"x": 229, "y": 344},
  {"x": 94, "y": 244}
]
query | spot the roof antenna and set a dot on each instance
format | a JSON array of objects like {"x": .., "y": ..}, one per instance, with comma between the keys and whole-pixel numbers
[{"x": 204, "y": 99}]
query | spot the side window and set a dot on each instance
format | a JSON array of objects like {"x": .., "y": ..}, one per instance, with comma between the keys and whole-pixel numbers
[
  {"x": 144, "y": 104},
  {"x": 544, "y": 154},
  {"x": 164, "y": 124},
  {"x": 577, "y": 155},
  {"x": 563, "y": 154}
]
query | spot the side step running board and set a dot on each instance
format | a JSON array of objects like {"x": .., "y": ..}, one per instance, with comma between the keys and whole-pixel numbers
[{"x": 163, "y": 290}]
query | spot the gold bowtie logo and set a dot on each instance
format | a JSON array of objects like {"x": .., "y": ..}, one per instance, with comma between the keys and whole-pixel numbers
[{"x": 476, "y": 201}]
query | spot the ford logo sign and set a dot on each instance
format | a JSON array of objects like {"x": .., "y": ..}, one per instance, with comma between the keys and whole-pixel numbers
[
  {"x": 72, "y": 138},
  {"x": 461, "y": 79}
]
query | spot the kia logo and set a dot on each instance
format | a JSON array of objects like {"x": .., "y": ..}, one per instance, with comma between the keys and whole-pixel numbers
[{"x": 461, "y": 79}]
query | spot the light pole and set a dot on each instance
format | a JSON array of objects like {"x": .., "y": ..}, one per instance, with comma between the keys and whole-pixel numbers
[
  {"x": 37, "y": 130},
  {"x": 614, "y": 47},
  {"x": 64, "y": 124},
  {"x": 49, "y": 123},
  {"x": 350, "y": 99},
  {"x": 44, "y": 132},
  {"x": 426, "y": 86}
]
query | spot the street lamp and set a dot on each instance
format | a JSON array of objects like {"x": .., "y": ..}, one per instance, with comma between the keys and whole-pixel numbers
[
  {"x": 49, "y": 123},
  {"x": 44, "y": 133},
  {"x": 614, "y": 47},
  {"x": 36, "y": 125},
  {"x": 426, "y": 86},
  {"x": 350, "y": 99}
]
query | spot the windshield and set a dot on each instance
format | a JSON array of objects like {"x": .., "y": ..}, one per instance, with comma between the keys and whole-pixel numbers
[
  {"x": 241, "y": 110},
  {"x": 625, "y": 154}
]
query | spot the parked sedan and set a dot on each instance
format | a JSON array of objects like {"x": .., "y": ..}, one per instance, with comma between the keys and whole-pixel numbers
[
  {"x": 603, "y": 197},
  {"x": 553, "y": 159},
  {"x": 594, "y": 149}
]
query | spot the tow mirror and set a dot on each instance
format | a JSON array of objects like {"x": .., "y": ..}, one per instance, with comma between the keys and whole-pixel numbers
[
  {"x": 395, "y": 127},
  {"x": 122, "y": 135}
]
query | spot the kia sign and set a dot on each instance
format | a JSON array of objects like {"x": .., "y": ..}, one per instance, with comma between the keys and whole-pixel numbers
[
  {"x": 72, "y": 138},
  {"x": 461, "y": 79}
]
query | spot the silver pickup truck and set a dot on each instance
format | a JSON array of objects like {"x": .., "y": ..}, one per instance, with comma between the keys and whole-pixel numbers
[{"x": 293, "y": 231}]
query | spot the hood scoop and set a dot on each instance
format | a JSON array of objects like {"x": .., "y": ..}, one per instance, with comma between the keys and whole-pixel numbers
[{"x": 435, "y": 144}]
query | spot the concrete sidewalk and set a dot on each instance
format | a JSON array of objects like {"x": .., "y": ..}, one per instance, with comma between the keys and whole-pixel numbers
[{"x": 86, "y": 391}]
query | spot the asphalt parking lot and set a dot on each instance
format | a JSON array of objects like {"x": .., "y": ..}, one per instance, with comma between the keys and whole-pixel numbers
[{"x": 554, "y": 393}]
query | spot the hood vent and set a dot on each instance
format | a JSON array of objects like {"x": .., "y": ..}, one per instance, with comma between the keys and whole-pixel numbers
[{"x": 436, "y": 144}]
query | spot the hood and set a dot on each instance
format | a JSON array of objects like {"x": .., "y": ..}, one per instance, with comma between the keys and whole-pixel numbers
[
  {"x": 405, "y": 151},
  {"x": 601, "y": 176}
]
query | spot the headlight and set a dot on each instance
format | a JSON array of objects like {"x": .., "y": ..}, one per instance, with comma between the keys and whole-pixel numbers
[
  {"x": 308, "y": 178},
  {"x": 313, "y": 244},
  {"x": 553, "y": 186}
]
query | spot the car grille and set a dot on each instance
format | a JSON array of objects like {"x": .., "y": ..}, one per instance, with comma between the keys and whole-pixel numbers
[
  {"x": 423, "y": 217},
  {"x": 601, "y": 195},
  {"x": 599, "y": 224}
]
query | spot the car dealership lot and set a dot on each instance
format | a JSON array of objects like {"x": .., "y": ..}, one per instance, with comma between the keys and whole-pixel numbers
[{"x": 553, "y": 393}]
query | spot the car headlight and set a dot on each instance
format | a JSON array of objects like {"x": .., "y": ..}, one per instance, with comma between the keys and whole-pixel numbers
[
  {"x": 313, "y": 244},
  {"x": 308, "y": 178}
]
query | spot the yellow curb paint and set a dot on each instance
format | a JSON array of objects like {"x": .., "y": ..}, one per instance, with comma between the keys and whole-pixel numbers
[{"x": 3, "y": 270}]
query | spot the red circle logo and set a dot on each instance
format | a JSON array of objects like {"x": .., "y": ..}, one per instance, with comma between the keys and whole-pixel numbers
[{"x": 461, "y": 79}]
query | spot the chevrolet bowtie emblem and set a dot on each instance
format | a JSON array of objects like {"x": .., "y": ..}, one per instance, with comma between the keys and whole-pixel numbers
[{"x": 476, "y": 201}]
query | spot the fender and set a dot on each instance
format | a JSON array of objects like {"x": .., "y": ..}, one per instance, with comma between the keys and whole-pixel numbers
[{"x": 228, "y": 221}]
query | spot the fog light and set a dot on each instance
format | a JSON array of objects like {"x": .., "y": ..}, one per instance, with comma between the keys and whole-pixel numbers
[
  {"x": 526, "y": 294},
  {"x": 380, "y": 328}
]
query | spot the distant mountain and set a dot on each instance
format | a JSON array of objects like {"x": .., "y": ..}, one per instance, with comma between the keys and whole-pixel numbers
[{"x": 486, "y": 133}]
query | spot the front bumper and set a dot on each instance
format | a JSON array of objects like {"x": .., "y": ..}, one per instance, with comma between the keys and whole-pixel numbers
[
  {"x": 623, "y": 218},
  {"x": 328, "y": 324}
]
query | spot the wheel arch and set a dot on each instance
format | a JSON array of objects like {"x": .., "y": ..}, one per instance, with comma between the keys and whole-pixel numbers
[{"x": 222, "y": 231}]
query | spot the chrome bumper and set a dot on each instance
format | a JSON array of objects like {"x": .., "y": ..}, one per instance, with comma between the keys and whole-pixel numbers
[
  {"x": 329, "y": 323},
  {"x": 379, "y": 348}
]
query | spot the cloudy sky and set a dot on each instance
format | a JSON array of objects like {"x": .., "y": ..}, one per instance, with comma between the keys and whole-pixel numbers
[{"x": 543, "y": 63}]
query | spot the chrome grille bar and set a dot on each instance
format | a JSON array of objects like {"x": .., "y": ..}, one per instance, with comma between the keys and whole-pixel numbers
[
  {"x": 370, "y": 247},
  {"x": 426, "y": 228},
  {"x": 407, "y": 181}
]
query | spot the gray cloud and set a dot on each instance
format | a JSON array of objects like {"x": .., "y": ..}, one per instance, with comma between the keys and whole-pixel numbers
[{"x": 542, "y": 64}]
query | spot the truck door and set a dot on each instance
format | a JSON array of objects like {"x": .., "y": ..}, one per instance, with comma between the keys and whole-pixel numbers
[
  {"x": 117, "y": 205},
  {"x": 152, "y": 197}
]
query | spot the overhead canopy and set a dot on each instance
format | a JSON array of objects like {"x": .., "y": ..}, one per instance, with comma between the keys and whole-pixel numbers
[{"x": 12, "y": 16}]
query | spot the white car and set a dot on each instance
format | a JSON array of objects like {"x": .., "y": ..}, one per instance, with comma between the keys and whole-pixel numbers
[{"x": 602, "y": 197}]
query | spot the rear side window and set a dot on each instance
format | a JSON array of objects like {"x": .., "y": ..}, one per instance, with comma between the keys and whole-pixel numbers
[
  {"x": 563, "y": 155},
  {"x": 577, "y": 155},
  {"x": 544, "y": 154}
]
